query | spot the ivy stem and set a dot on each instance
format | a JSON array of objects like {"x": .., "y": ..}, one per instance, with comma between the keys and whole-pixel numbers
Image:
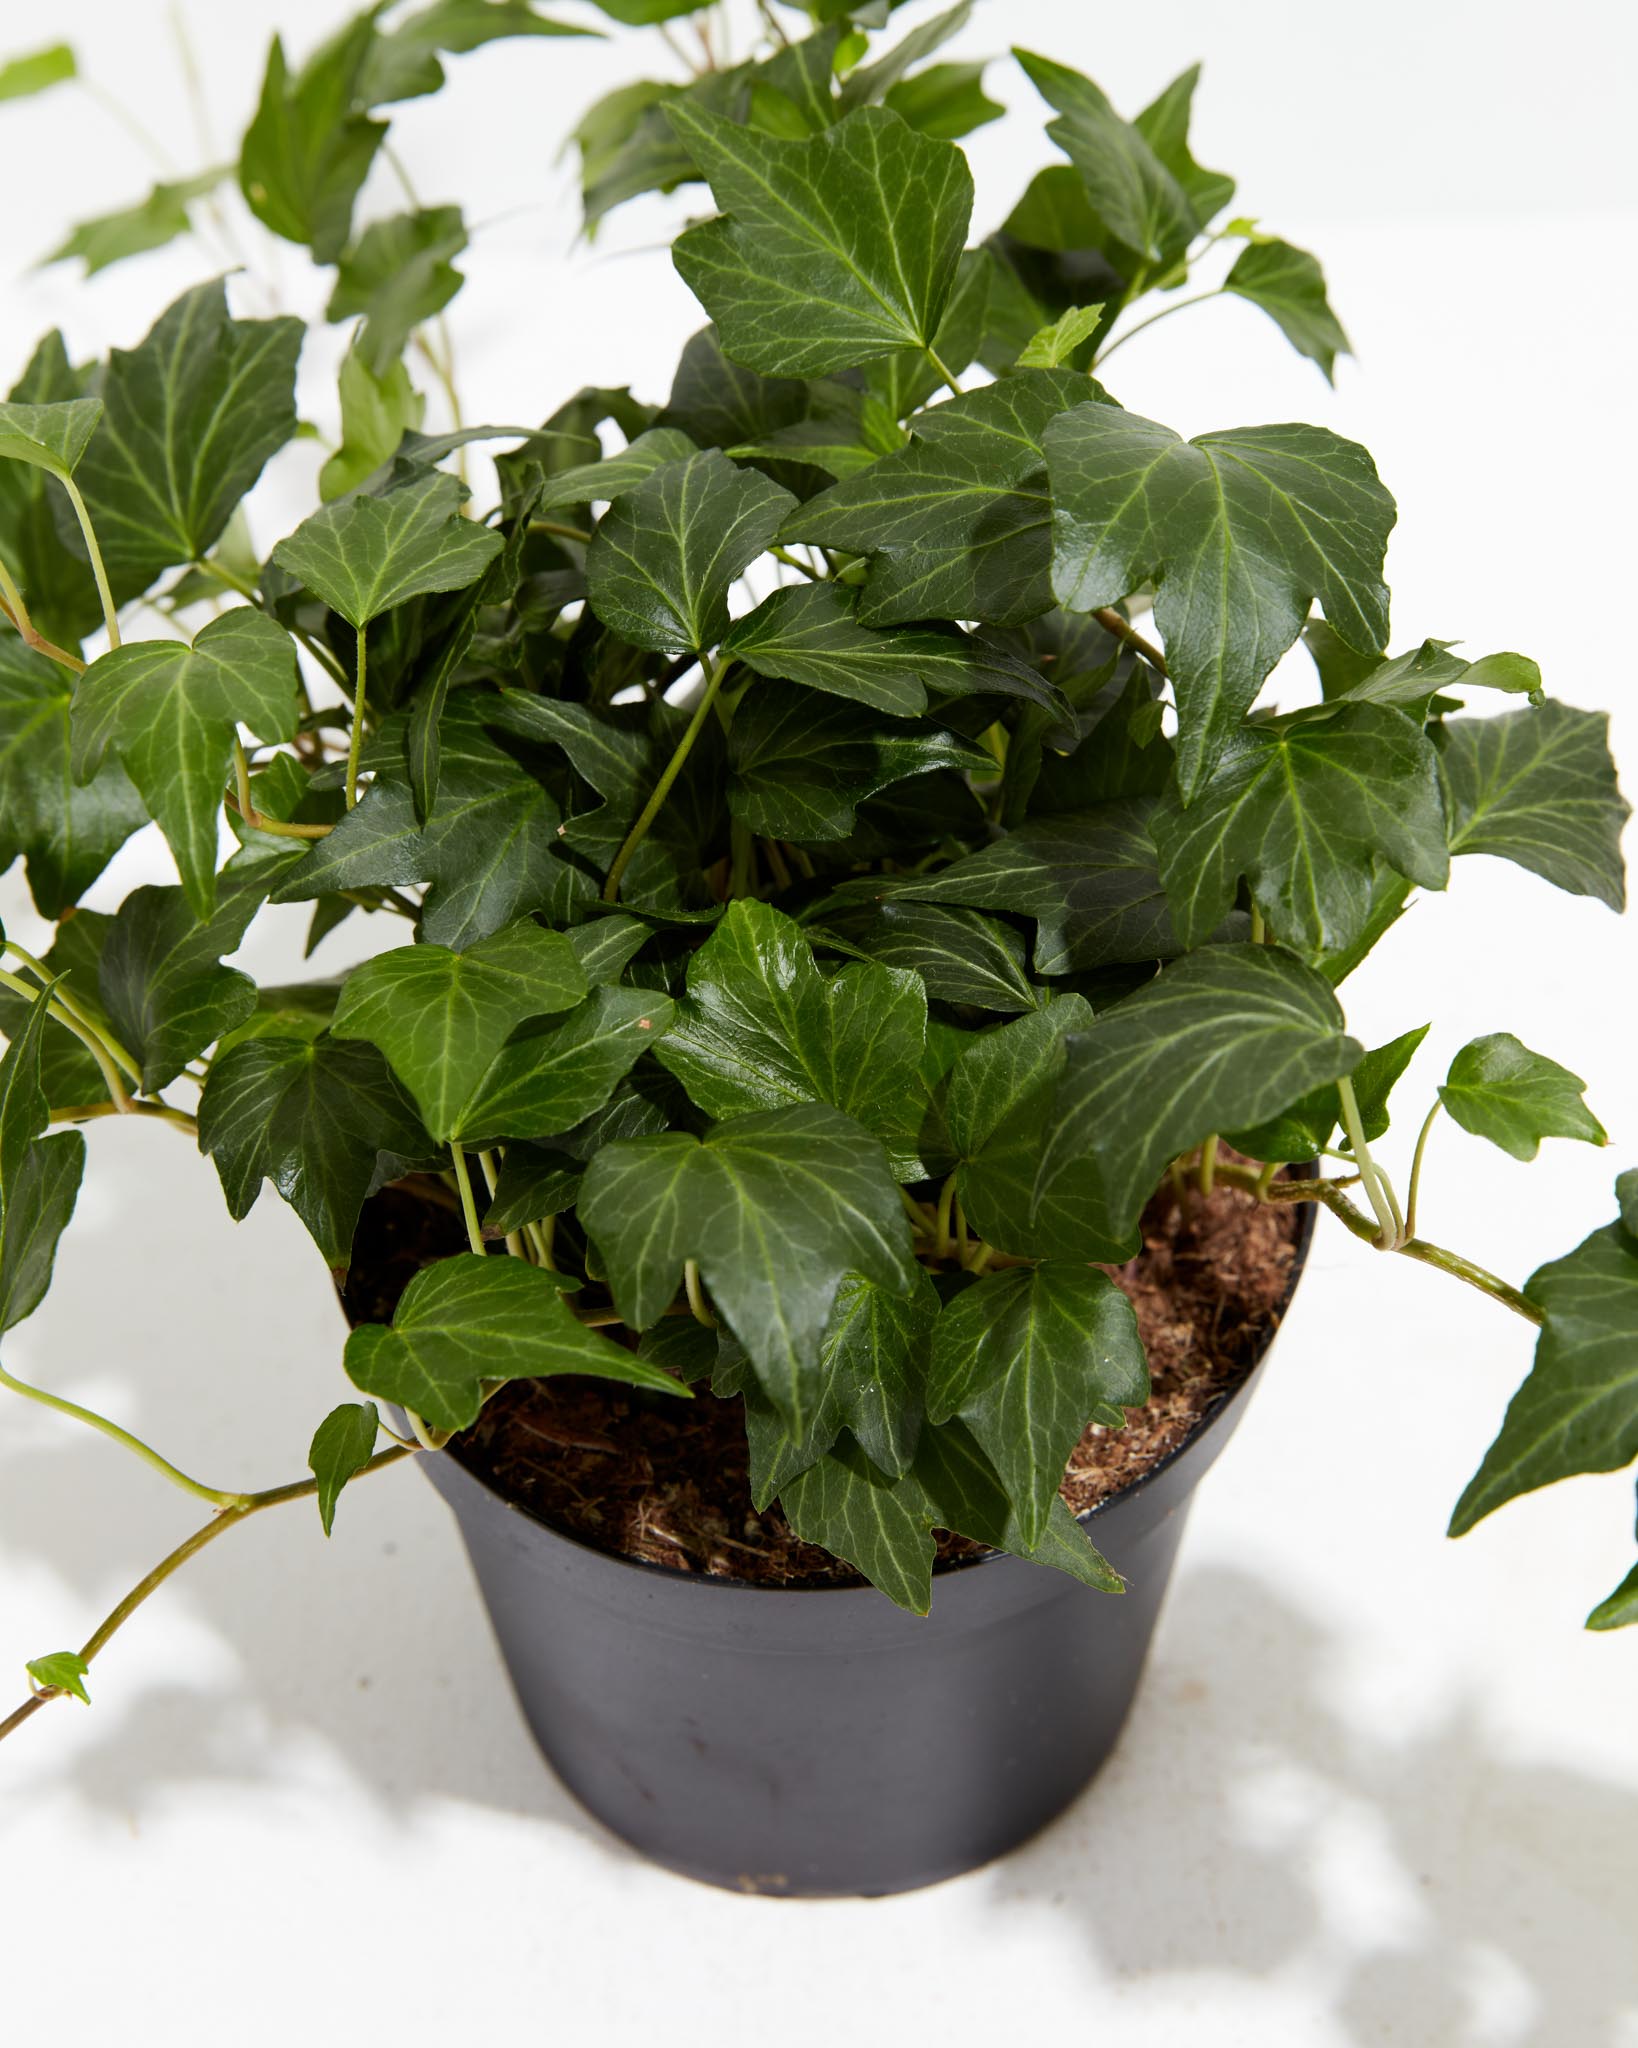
[
  {"x": 795, "y": 562},
  {"x": 491, "y": 1180},
  {"x": 559, "y": 530},
  {"x": 945, "y": 373},
  {"x": 698, "y": 1306},
  {"x": 1207, "y": 1175},
  {"x": 243, "y": 1506},
  {"x": 86, "y": 1112},
  {"x": 946, "y": 1206},
  {"x": 1165, "y": 313},
  {"x": 1123, "y": 629},
  {"x": 469, "y": 1208},
  {"x": 1259, "y": 930},
  {"x": 92, "y": 1043},
  {"x": 662, "y": 789},
  {"x": 258, "y": 822},
  {"x": 917, "y": 1213},
  {"x": 355, "y": 738},
  {"x": 110, "y": 617},
  {"x": 145, "y": 1452},
  {"x": 1416, "y": 1167},
  {"x": 11, "y": 603},
  {"x": 61, "y": 996},
  {"x": 1390, "y": 1224},
  {"x": 241, "y": 780}
]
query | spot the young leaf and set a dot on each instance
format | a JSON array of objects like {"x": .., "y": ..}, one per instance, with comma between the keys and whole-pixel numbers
[
  {"x": 343, "y": 1445},
  {"x": 467, "y": 1321},
  {"x": 309, "y": 148},
  {"x": 1304, "y": 810},
  {"x": 1224, "y": 1037},
  {"x": 831, "y": 251},
  {"x": 376, "y": 413},
  {"x": 366, "y": 554},
  {"x": 170, "y": 712},
  {"x": 1500, "y": 1090},
  {"x": 777, "y": 1208},
  {"x": 1240, "y": 530},
  {"x": 1052, "y": 347},
  {"x": 1027, "y": 1359},
  {"x": 189, "y": 418},
  {"x": 957, "y": 526},
  {"x": 63, "y": 1670},
  {"x": 1577, "y": 1411},
  {"x": 666, "y": 554},
  {"x": 404, "y": 64},
  {"x": 1538, "y": 787},
  {"x": 1289, "y": 285},
  {"x": 327, "y": 1123},
  {"x": 398, "y": 273},
  {"x": 22, "y": 77},
  {"x": 152, "y": 223}
]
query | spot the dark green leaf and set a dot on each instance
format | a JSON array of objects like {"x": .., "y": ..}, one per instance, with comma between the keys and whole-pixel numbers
[
  {"x": 945, "y": 100},
  {"x": 327, "y": 1123},
  {"x": 832, "y": 250},
  {"x": 54, "y": 580},
  {"x": 1538, "y": 787},
  {"x": 161, "y": 978},
  {"x": 1626, "y": 1194},
  {"x": 719, "y": 404},
  {"x": 875, "y": 1355},
  {"x": 1620, "y": 1610},
  {"x": 869, "y": 83},
  {"x": 24, "y": 1110},
  {"x": 1164, "y": 125},
  {"x": 465, "y": 1322},
  {"x": 961, "y": 955},
  {"x": 151, "y": 224},
  {"x": 665, "y": 555},
  {"x": 365, "y": 554},
  {"x": 535, "y": 1182},
  {"x": 170, "y": 712},
  {"x": 1500, "y": 1090},
  {"x": 63, "y": 1670},
  {"x": 1240, "y": 530},
  {"x": 881, "y": 1526},
  {"x": 68, "y": 1073},
  {"x": 611, "y": 476},
  {"x": 1300, "y": 1131},
  {"x": 777, "y": 1209},
  {"x": 551, "y": 1076},
  {"x": 343, "y": 1445},
  {"x": 1289, "y": 285},
  {"x": 1416, "y": 681},
  {"x": 310, "y": 146},
  {"x": 37, "y": 1210},
  {"x": 404, "y": 64},
  {"x": 398, "y": 273},
  {"x": 22, "y": 77}
]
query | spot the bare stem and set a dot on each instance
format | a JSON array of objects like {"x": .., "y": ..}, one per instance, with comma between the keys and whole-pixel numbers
[
  {"x": 469, "y": 1208},
  {"x": 1165, "y": 313},
  {"x": 1123, "y": 629},
  {"x": 145, "y": 1452},
  {"x": 110, "y": 616},
  {"x": 662, "y": 789},
  {"x": 1416, "y": 1168}
]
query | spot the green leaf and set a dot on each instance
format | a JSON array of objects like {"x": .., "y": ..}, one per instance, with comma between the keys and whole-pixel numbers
[
  {"x": 831, "y": 251},
  {"x": 1164, "y": 125},
  {"x": 63, "y": 1670},
  {"x": 398, "y": 273},
  {"x": 38, "y": 1206},
  {"x": 875, "y": 1355},
  {"x": 1415, "y": 682},
  {"x": 777, "y": 1208},
  {"x": 762, "y": 1029},
  {"x": 55, "y": 581},
  {"x": 961, "y": 955},
  {"x": 1300, "y": 1131},
  {"x": 946, "y": 101},
  {"x": 535, "y": 1182},
  {"x": 66, "y": 832},
  {"x": 22, "y": 77},
  {"x": 310, "y": 146},
  {"x": 1220, "y": 1039},
  {"x": 376, "y": 413},
  {"x": 327, "y": 1123},
  {"x": 52, "y": 437},
  {"x": 1626, "y": 1194},
  {"x": 404, "y": 64},
  {"x": 645, "y": 13},
  {"x": 441, "y": 1017},
  {"x": 666, "y": 554},
  {"x": 161, "y": 978},
  {"x": 811, "y": 634},
  {"x": 465, "y": 1323},
  {"x": 800, "y": 762},
  {"x": 343, "y": 1444},
  {"x": 68, "y": 1073},
  {"x": 152, "y": 223},
  {"x": 1027, "y": 1359},
  {"x": 170, "y": 712},
  {"x": 1052, "y": 347},
  {"x": 366, "y": 554},
  {"x": 1500, "y": 1090},
  {"x": 1289, "y": 285},
  {"x": 24, "y": 1110},
  {"x": 189, "y": 419},
  {"x": 1304, "y": 810},
  {"x": 880, "y": 1526},
  {"x": 1538, "y": 787},
  {"x": 957, "y": 526},
  {"x": 613, "y": 475},
  {"x": 1620, "y": 1610},
  {"x": 1240, "y": 530},
  {"x": 1578, "y": 1409}
]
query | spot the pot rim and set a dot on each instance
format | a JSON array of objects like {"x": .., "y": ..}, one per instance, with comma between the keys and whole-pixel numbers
[{"x": 948, "y": 1567}]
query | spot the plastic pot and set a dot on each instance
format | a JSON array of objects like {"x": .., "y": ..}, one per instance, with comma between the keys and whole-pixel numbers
[{"x": 820, "y": 1741}]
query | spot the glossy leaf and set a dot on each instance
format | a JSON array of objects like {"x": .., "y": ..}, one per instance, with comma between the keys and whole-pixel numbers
[
  {"x": 1289, "y": 285},
  {"x": 37, "y": 1209},
  {"x": 551, "y": 1076},
  {"x": 1300, "y": 1131},
  {"x": 1500, "y": 1090},
  {"x": 55, "y": 580},
  {"x": 161, "y": 979},
  {"x": 398, "y": 273},
  {"x": 404, "y": 64},
  {"x": 64, "y": 1670},
  {"x": 961, "y": 955},
  {"x": 882, "y": 1527},
  {"x": 365, "y": 554},
  {"x": 343, "y": 1445},
  {"x": 465, "y": 1322},
  {"x": 24, "y": 1110},
  {"x": 613, "y": 475},
  {"x": 310, "y": 146},
  {"x": 1052, "y": 347},
  {"x": 153, "y": 223},
  {"x": 51, "y": 437},
  {"x": 1240, "y": 531}
]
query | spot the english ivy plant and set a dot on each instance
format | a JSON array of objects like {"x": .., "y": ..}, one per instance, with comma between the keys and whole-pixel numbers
[{"x": 846, "y": 852}]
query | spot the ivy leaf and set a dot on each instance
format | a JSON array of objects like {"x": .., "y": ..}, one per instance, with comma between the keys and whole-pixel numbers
[
  {"x": 551, "y": 1076},
  {"x": 777, "y": 1208},
  {"x": 881, "y": 1526},
  {"x": 467, "y": 1321},
  {"x": 800, "y": 763},
  {"x": 945, "y": 100},
  {"x": 811, "y": 634},
  {"x": 664, "y": 557},
  {"x": 957, "y": 525},
  {"x": 1538, "y": 787},
  {"x": 1302, "y": 1130},
  {"x": 66, "y": 832},
  {"x": 869, "y": 83},
  {"x": 327, "y": 1123},
  {"x": 1241, "y": 530},
  {"x": 442, "y": 1017},
  {"x": 170, "y": 712},
  {"x": 398, "y": 273},
  {"x": 68, "y": 1073},
  {"x": 1051, "y": 347},
  {"x": 611, "y": 476},
  {"x": 877, "y": 1348},
  {"x": 831, "y": 251},
  {"x": 1415, "y": 682},
  {"x": 1304, "y": 810},
  {"x": 309, "y": 147},
  {"x": 161, "y": 978},
  {"x": 39, "y": 1177},
  {"x": 1164, "y": 125},
  {"x": 1027, "y": 1359},
  {"x": 376, "y": 413},
  {"x": 1620, "y": 1610},
  {"x": 960, "y": 955},
  {"x": 1221, "y": 1038},
  {"x": 1500, "y": 1090},
  {"x": 63, "y": 1670},
  {"x": 762, "y": 1029},
  {"x": 646, "y": 13},
  {"x": 152, "y": 223},
  {"x": 365, "y": 554},
  {"x": 22, "y": 77},
  {"x": 343, "y": 1444},
  {"x": 1577, "y": 1411},
  {"x": 55, "y": 581},
  {"x": 1626, "y": 1194},
  {"x": 189, "y": 419},
  {"x": 52, "y": 437},
  {"x": 1289, "y": 285},
  {"x": 24, "y": 1110},
  {"x": 404, "y": 65}
]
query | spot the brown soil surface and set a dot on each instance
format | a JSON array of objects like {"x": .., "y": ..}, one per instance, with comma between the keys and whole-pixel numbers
[{"x": 666, "y": 1481}]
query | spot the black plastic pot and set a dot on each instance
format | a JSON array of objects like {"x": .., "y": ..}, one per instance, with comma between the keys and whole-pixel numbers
[{"x": 820, "y": 1741}]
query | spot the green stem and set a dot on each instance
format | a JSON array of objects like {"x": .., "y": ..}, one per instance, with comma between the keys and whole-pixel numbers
[
  {"x": 1208, "y": 1164},
  {"x": 945, "y": 374},
  {"x": 355, "y": 739},
  {"x": 241, "y": 781},
  {"x": 1390, "y": 1224},
  {"x": 946, "y": 1206},
  {"x": 91, "y": 1041},
  {"x": 110, "y": 617},
  {"x": 1123, "y": 629},
  {"x": 491, "y": 1180},
  {"x": 662, "y": 789},
  {"x": 11, "y": 603},
  {"x": 469, "y": 1208},
  {"x": 1259, "y": 930},
  {"x": 145, "y": 1452},
  {"x": 559, "y": 529},
  {"x": 1416, "y": 1168},
  {"x": 1165, "y": 313},
  {"x": 795, "y": 562},
  {"x": 698, "y": 1307},
  {"x": 61, "y": 996},
  {"x": 86, "y": 1112}
]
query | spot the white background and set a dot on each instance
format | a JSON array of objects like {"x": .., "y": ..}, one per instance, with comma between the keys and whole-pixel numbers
[{"x": 1379, "y": 1787}]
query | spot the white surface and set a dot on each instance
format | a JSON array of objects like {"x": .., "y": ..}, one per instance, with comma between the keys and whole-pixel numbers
[{"x": 1379, "y": 1787}]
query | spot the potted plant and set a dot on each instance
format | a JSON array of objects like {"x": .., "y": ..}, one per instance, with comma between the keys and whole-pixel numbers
[{"x": 865, "y": 941}]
